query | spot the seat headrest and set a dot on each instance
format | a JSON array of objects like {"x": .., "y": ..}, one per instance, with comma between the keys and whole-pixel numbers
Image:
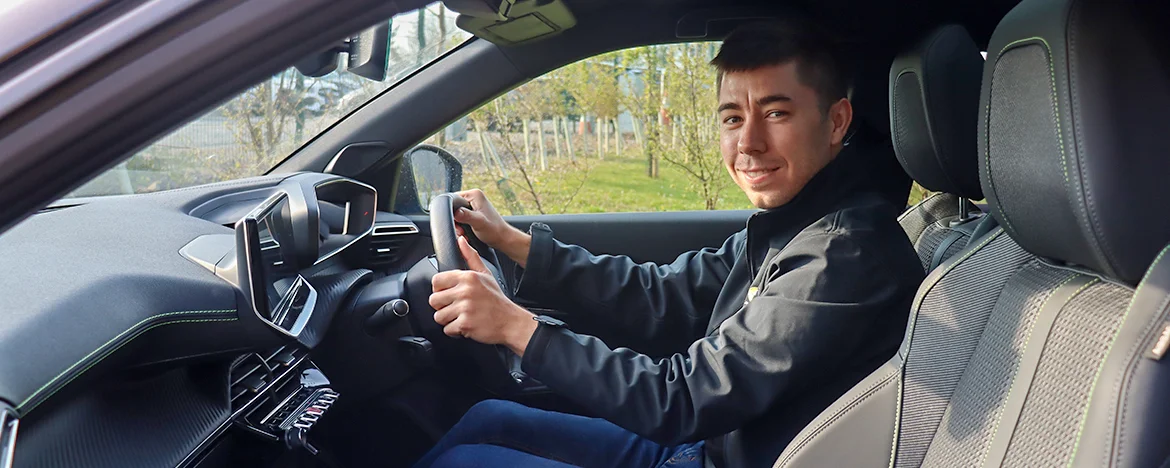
[
  {"x": 1074, "y": 141},
  {"x": 934, "y": 107}
]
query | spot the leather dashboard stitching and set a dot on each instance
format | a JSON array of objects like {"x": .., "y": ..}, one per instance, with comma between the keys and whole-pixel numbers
[{"x": 106, "y": 349}]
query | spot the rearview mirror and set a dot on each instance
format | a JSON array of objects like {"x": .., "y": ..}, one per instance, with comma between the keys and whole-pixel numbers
[
  {"x": 368, "y": 54},
  {"x": 435, "y": 172}
]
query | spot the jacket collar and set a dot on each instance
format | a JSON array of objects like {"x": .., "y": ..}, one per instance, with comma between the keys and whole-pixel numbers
[{"x": 775, "y": 227}]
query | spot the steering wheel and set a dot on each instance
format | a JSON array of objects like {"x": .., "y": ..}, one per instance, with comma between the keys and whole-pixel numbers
[
  {"x": 446, "y": 241},
  {"x": 490, "y": 364}
]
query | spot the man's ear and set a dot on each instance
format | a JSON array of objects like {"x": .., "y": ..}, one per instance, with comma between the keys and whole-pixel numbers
[{"x": 840, "y": 116}]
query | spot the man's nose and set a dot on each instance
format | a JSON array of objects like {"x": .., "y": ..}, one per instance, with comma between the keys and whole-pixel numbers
[{"x": 751, "y": 137}]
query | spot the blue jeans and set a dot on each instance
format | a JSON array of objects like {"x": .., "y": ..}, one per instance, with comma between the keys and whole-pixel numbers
[{"x": 496, "y": 433}]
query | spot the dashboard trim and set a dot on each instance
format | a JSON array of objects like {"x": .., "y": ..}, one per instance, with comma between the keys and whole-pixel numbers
[{"x": 105, "y": 350}]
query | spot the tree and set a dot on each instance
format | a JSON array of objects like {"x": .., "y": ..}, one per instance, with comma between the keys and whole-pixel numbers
[
  {"x": 690, "y": 81},
  {"x": 544, "y": 186},
  {"x": 643, "y": 99},
  {"x": 593, "y": 85}
]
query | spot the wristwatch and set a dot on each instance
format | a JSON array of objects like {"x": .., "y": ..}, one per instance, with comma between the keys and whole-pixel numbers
[{"x": 550, "y": 321}]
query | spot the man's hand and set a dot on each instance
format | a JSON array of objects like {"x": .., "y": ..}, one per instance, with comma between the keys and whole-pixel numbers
[
  {"x": 471, "y": 304},
  {"x": 490, "y": 227}
]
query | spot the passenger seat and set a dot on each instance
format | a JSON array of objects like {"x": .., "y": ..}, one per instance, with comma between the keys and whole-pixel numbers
[
  {"x": 1042, "y": 344},
  {"x": 934, "y": 106}
]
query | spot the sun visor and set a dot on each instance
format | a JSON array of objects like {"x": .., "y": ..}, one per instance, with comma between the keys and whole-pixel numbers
[{"x": 508, "y": 23}]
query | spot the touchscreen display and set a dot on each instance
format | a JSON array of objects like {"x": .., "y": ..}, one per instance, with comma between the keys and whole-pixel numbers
[{"x": 278, "y": 270}]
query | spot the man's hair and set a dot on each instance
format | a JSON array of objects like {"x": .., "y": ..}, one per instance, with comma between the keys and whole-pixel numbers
[{"x": 764, "y": 44}]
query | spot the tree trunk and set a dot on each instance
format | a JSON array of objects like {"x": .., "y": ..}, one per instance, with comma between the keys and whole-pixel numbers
[
  {"x": 442, "y": 28},
  {"x": 597, "y": 131},
  {"x": 638, "y": 138},
  {"x": 483, "y": 149},
  {"x": 606, "y": 136},
  {"x": 421, "y": 29},
  {"x": 540, "y": 140},
  {"x": 617, "y": 137},
  {"x": 527, "y": 145},
  {"x": 557, "y": 136},
  {"x": 495, "y": 155},
  {"x": 299, "y": 88},
  {"x": 568, "y": 138}
]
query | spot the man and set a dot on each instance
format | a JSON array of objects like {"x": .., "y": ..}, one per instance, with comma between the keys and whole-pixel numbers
[{"x": 766, "y": 331}]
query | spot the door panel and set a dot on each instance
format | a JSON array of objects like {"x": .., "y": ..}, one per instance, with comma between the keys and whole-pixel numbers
[{"x": 644, "y": 237}]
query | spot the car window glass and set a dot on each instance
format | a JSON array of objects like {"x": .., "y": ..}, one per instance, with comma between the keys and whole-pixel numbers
[
  {"x": 249, "y": 134},
  {"x": 631, "y": 130}
]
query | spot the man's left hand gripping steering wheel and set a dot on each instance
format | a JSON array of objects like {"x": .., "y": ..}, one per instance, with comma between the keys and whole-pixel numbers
[{"x": 470, "y": 303}]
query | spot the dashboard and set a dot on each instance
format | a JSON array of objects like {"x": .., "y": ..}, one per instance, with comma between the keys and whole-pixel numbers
[{"x": 184, "y": 321}]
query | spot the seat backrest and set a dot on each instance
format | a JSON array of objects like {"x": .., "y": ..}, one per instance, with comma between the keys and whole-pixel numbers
[
  {"x": 934, "y": 104},
  {"x": 1032, "y": 347}
]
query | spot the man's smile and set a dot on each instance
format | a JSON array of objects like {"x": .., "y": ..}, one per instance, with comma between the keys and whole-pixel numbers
[{"x": 758, "y": 175}]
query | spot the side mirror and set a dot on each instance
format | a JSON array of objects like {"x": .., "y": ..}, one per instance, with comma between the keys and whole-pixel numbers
[{"x": 435, "y": 172}]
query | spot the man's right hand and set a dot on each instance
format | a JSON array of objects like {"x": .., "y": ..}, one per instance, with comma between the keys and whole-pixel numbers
[{"x": 490, "y": 227}]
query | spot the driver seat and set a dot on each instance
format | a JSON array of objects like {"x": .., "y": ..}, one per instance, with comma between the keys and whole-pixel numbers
[{"x": 1043, "y": 342}]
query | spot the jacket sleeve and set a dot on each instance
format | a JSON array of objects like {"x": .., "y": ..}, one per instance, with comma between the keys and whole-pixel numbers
[
  {"x": 645, "y": 300},
  {"x": 815, "y": 309}
]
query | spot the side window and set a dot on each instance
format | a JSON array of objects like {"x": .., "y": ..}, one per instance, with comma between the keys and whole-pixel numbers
[
  {"x": 917, "y": 194},
  {"x": 632, "y": 130}
]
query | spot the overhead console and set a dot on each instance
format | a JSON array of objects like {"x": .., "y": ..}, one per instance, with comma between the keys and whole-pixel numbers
[{"x": 297, "y": 224}]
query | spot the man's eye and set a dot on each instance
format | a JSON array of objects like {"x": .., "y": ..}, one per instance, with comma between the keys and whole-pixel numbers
[
  {"x": 732, "y": 120},
  {"x": 777, "y": 113}
]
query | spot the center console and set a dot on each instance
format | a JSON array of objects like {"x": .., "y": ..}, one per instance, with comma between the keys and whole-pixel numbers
[{"x": 277, "y": 399}]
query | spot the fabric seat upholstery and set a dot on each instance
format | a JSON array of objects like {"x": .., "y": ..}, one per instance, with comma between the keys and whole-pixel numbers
[
  {"x": 934, "y": 103},
  {"x": 1042, "y": 342}
]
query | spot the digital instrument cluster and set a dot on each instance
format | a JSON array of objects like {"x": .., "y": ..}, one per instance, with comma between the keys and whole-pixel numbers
[{"x": 303, "y": 223}]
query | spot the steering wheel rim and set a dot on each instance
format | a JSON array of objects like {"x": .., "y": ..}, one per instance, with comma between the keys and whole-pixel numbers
[{"x": 446, "y": 242}]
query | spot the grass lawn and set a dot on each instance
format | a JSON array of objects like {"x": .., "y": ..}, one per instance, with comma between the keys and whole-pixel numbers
[
  {"x": 615, "y": 184},
  {"x": 610, "y": 185}
]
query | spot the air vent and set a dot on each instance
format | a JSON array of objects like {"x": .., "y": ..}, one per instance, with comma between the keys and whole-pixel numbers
[
  {"x": 254, "y": 374},
  {"x": 388, "y": 240}
]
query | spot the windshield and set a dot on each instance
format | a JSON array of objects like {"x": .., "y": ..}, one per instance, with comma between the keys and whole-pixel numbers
[{"x": 249, "y": 134}]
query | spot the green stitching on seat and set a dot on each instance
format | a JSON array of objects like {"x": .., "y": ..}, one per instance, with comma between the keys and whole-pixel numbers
[
  {"x": 1055, "y": 99},
  {"x": 1027, "y": 341},
  {"x": 1055, "y": 117},
  {"x": 1108, "y": 350},
  {"x": 915, "y": 307},
  {"x": 101, "y": 352}
]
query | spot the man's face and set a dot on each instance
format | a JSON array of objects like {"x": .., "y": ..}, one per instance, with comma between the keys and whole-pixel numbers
[{"x": 773, "y": 134}]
